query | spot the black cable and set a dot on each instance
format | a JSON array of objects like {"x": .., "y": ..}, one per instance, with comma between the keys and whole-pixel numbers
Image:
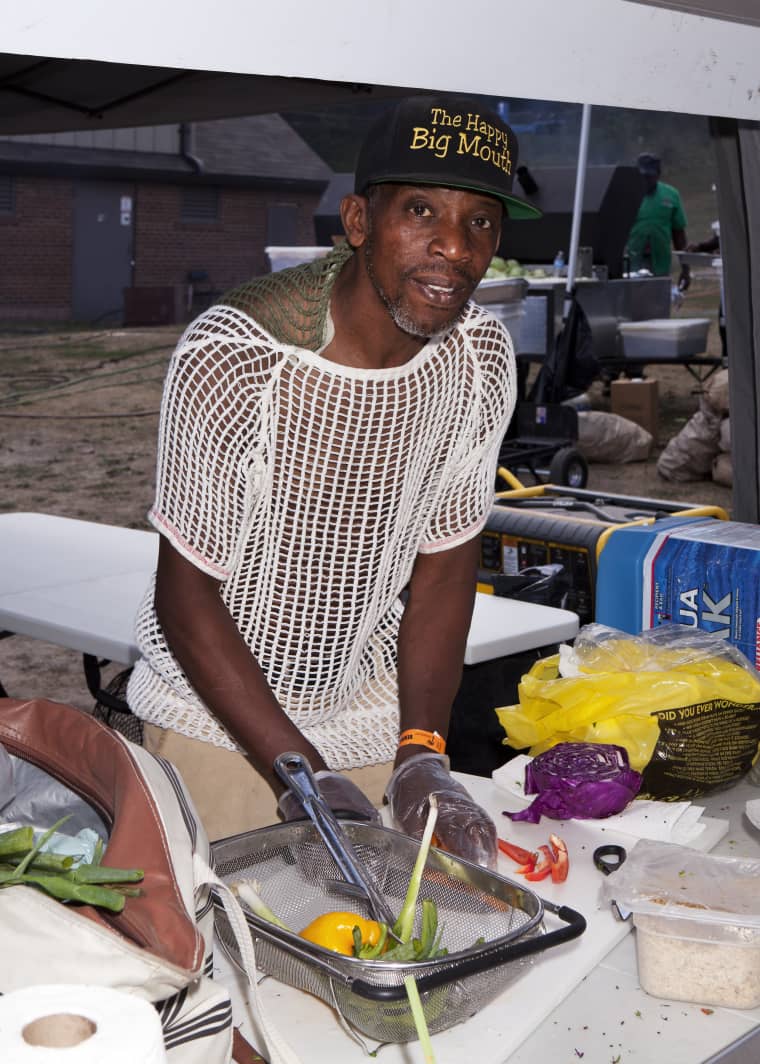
[{"x": 81, "y": 417}]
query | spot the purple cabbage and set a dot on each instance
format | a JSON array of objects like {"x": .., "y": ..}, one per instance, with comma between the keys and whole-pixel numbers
[{"x": 579, "y": 781}]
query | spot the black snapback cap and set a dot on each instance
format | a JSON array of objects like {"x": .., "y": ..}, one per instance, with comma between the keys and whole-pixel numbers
[
  {"x": 443, "y": 140},
  {"x": 648, "y": 164}
]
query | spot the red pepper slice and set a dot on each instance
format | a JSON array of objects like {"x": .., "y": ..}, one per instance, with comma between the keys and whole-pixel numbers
[
  {"x": 517, "y": 853},
  {"x": 561, "y": 861},
  {"x": 544, "y": 866}
]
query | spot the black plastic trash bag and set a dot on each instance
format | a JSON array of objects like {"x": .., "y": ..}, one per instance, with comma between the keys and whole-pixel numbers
[
  {"x": 571, "y": 366},
  {"x": 546, "y": 585}
]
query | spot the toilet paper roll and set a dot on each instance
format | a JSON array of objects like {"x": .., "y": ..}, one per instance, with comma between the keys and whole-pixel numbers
[{"x": 78, "y": 1024}]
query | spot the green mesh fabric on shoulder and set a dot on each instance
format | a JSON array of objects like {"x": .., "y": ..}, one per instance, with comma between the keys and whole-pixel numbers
[{"x": 292, "y": 304}]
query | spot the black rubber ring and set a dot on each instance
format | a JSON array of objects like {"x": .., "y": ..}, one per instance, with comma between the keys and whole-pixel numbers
[{"x": 602, "y": 853}]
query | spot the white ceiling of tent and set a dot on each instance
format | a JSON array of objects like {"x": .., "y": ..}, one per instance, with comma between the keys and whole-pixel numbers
[{"x": 612, "y": 52}]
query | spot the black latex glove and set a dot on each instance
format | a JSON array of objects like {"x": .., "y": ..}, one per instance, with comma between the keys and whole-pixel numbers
[
  {"x": 343, "y": 797},
  {"x": 462, "y": 826}
]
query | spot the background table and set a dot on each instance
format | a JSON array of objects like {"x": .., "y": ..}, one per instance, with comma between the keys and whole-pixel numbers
[
  {"x": 74, "y": 583},
  {"x": 78, "y": 584}
]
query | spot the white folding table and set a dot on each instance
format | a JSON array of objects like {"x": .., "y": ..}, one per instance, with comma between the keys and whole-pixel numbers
[
  {"x": 580, "y": 1002},
  {"x": 78, "y": 584}
]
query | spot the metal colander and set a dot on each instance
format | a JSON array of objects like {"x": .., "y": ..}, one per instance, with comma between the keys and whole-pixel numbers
[{"x": 490, "y": 925}]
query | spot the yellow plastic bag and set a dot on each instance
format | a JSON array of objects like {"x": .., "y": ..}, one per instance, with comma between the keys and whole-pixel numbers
[{"x": 684, "y": 703}]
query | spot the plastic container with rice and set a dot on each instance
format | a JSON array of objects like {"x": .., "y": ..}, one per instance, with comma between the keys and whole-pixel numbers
[{"x": 697, "y": 920}]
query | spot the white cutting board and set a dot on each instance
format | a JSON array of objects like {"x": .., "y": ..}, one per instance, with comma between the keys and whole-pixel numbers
[{"x": 312, "y": 1028}]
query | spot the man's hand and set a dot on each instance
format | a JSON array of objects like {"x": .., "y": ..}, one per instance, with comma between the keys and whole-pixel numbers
[
  {"x": 343, "y": 797},
  {"x": 462, "y": 826},
  {"x": 710, "y": 245},
  {"x": 684, "y": 279}
]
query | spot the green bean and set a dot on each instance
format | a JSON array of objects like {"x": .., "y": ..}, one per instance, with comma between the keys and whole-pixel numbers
[
  {"x": 44, "y": 862},
  {"x": 97, "y": 873},
  {"x": 37, "y": 846},
  {"x": 17, "y": 840},
  {"x": 64, "y": 889},
  {"x": 23, "y": 862}
]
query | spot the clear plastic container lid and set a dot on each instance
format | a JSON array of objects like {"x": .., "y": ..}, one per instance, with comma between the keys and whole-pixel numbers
[{"x": 663, "y": 879}]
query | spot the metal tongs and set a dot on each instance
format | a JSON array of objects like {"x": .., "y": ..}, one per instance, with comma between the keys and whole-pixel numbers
[{"x": 295, "y": 771}]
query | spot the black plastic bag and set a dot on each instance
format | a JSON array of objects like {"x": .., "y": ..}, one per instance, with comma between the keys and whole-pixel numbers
[{"x": 571, "y": 366}]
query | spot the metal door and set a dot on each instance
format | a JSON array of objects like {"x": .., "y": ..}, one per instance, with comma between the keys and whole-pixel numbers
[
  {"x": 282, "y": 225},
  {"x": 102, "y": 250}
]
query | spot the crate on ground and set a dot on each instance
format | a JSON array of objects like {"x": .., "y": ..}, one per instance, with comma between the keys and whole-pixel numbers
[{"x": 637, "y": 400}]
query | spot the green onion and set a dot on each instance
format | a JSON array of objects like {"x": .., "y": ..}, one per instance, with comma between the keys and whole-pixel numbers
[
  {"x": 431, "y": 934},
  {"x": 247, "y": 890},
  {"x": 404, "y": 925},
  {"x": 419, "y": 1018}
]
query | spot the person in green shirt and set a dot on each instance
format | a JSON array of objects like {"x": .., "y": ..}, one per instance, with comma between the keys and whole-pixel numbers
[{"x": 660, "y": 221}]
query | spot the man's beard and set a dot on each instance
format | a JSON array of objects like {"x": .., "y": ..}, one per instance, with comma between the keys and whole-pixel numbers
[{"x": 395, "y": 307}]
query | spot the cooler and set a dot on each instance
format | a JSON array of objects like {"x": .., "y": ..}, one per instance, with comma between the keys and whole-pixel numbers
[
  {"x": 282, "y": 258},
  {"x": 663, "y": 338}
]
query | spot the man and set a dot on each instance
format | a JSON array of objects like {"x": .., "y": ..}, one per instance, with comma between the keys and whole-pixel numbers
[
  {"x": 660, "y": 221},
  {"x": 328, "y": 443}
]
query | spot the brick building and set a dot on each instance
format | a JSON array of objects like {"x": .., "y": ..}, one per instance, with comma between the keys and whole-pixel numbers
[{"x": 141, "y": 225}]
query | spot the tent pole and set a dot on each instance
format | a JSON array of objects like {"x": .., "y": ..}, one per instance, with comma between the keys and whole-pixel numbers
[{"x": 575, "y": 232}]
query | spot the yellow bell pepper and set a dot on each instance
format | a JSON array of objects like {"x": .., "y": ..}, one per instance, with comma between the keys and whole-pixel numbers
[{"x": 335, "y": 931}]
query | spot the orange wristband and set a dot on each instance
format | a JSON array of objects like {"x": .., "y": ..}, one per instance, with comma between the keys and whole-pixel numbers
[{"x": 431, "y": 739}]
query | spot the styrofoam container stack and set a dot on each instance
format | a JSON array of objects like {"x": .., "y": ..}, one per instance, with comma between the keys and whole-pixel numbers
[
  {"x": 665, "y": 337},
  {"x": 505, "y": 298}
]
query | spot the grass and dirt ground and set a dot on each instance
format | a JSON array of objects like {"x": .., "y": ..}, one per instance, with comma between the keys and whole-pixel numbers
[{"x": 78, "y": 424}]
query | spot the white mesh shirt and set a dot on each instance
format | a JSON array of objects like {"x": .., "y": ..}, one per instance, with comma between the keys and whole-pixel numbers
[{"x": 307, "y": 488}]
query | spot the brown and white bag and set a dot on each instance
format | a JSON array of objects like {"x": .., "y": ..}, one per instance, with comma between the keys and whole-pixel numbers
[{"x": 160, "y": 946}]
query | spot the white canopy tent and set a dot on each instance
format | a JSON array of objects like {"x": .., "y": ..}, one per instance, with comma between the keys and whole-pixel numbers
[
  {"x": 169, "y": 62},
  {"x": 613, "y": 52}
]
